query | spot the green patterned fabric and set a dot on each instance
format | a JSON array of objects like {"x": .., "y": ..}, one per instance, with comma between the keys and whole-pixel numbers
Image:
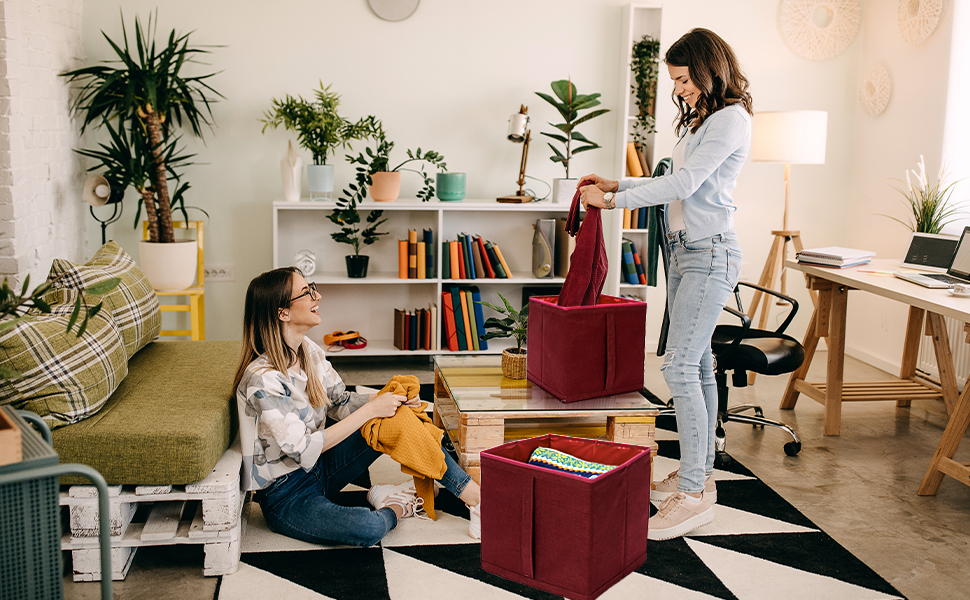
[
  {"x": 132, "y": 305},
  {"x": 169, "y": 422},
  {"x": 555, "y": 460},
  {"x": 63, "y": 378}
]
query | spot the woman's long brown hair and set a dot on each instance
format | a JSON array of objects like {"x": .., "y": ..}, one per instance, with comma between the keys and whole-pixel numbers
[
  {"x": 263, "y": 332},
  {"x": 714, "y": 70}
]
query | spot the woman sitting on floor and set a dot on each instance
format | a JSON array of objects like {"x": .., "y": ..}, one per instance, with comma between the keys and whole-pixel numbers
[{"x": 285, "y": 388}]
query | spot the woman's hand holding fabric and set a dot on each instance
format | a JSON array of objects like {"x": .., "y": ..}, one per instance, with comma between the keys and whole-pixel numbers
[
  {"x": 385, "y": 405},
  {"x": 602, "y": 183},
  {"x": 591, "y": 195}
]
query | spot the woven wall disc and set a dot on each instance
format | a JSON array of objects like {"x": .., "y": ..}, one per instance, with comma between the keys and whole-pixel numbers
[
  {"x": 819, "y": 29},
  {"x": 875, "y": 90},
  {"x": 918, "y": 19}
]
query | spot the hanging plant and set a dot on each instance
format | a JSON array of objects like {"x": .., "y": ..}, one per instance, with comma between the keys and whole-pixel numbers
[{"x": 645, "y": 67}]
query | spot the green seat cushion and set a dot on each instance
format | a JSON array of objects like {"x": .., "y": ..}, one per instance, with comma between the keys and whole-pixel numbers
[
  {"x": 132, "y": 304},
  {"x": 62, "y": 378},
  {"x": 168, "y": 422}
]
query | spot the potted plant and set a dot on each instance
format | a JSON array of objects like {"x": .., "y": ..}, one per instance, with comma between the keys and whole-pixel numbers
[
  {"x": 357, "y": 234},
  {"x": 569, "y": 104},
  {"x": 644, "y": 66},
  {"x": 374, "y": 170},
  {"x": 929, "y": 206},
  {"x": 320, "y": 129},
  {"x": 512, "y": 324},
  {"x": 146, "y": 95}
]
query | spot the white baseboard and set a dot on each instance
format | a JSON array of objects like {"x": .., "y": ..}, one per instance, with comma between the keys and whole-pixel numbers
[{"x": 870, "y": 359}]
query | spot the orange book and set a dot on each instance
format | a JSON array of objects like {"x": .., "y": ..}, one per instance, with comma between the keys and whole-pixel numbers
[
  {"x": 402, "y": 259},
  {"x": 422, "y": 259},
  {"x": 448, "y": 321},
  {"x": 633, "y": 161},
  {"x": 464, "y": 317},
  {"x": 627, "y": 218},
  {"x": 453, "y": 252},
  {"x": 501, "y": 259},
  {"x": 462, "y": 272}
]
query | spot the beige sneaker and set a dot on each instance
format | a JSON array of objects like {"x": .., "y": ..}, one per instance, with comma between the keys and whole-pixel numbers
[
  {"x": 402, "y": 495},
  {"x": 668, "y": 487},
  {"x": 678, "y": 516}
]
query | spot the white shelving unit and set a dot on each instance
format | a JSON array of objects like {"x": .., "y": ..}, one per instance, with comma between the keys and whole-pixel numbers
[
  {"x": 367, "y": 305},
  {"x": 638, "y": 20}
]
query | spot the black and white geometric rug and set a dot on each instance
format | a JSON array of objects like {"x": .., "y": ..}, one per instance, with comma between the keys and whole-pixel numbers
[{"x": 759, "y": 547}]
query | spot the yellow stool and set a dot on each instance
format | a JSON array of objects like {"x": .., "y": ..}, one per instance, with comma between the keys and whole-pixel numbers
[{"x": 195, "y": 304}]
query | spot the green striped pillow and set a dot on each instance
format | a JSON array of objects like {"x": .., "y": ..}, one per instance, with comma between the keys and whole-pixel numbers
[
  {"x": 132, "y": 305},
  {"x": 63, "y": 378}
]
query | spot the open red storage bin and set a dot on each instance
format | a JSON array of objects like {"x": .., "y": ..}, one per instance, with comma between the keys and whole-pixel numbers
[
  {"x": 560, "y": 532},
  {"x": 582, "y": 352}
]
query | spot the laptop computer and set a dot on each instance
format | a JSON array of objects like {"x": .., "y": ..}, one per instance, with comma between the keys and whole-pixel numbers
[
  {"x": 930, "y": 252},
  {"x": 957, "y": 272}
]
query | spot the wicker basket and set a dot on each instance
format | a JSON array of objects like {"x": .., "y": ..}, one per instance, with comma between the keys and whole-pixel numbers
[{"x": 513, "y": 365}]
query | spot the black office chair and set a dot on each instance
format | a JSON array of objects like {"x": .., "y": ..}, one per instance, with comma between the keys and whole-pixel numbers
[{"x": 739, "y": 349}]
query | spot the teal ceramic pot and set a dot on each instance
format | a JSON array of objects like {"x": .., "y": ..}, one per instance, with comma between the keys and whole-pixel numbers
[{"x": 450, "y": 186}]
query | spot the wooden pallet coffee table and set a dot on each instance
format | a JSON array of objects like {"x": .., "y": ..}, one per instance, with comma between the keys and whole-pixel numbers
[{"x": 480, "y": 409}]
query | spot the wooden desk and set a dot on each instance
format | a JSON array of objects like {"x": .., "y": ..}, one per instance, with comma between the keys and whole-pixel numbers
[{"x": 829, "y": 320}]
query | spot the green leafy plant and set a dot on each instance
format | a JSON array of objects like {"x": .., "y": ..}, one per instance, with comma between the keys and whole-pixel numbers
[
  {"x": 512, "y": 324},
  {"x": 353, "y": 231},
  {"x": 144, "y": 90},
  {"x": 320, "y": 129},
  {"x": 645, "y": 66},
  {"x": 378, "y": 160},
  {"x": 569, "y": 104},
  {"x": 14, "y": 307},
  {"x": 929, "y": 206}
]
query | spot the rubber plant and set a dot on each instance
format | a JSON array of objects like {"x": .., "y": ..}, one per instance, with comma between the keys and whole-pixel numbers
[
  {"x": 319, "y": 127},
  {"x": 569, "y": 103},
  {"x": 512, "y": 324},
  {"x": 143, "y": 91}
]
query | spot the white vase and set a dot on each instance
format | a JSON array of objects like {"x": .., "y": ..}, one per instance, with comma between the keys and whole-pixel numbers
[
  {"x": 291, "y": 168},
  {"x": 563, "y": 190},
  {"x": 169, "y": 267},
  {"x": 320, "y": 181}
]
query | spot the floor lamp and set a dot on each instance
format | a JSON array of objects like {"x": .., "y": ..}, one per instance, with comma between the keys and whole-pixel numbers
[{"x": 789, "y": 137}]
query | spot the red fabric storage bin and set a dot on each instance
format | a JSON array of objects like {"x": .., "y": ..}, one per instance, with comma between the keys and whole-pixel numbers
[
  {"x": 560, "y": 532},
  {"x": 582, "y": 352}
]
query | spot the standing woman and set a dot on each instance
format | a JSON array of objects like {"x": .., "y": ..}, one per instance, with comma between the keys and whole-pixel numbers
[
  {"x": 285, "y": 389},
  {"x": 714, "y": 127}
]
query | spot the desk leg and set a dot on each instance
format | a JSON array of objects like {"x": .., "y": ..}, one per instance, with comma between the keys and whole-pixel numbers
[
  {"x": 836, "y": 362},
  {"x": 914, "y": 332},
  {"x": 952, "y": 435},
  {"x": 944, "y": 361},
  {"x": 810, "y": 344}
]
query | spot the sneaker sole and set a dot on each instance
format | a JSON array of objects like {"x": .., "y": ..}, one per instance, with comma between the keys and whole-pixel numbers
[
  {"x": 695, "y": 522},
  {"x": 656, "y": 496}
]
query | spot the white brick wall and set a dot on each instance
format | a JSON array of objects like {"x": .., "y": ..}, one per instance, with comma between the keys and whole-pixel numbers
[{"x": 42, "y": 216}]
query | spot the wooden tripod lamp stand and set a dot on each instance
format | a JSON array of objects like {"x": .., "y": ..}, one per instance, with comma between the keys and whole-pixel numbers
[
  {"x": 789, "y": 137},
  {"x": 520, "y": 134}
]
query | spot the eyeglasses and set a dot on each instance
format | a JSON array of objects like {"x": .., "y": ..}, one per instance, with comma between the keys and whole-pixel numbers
[{"x": 311, "y": 291}]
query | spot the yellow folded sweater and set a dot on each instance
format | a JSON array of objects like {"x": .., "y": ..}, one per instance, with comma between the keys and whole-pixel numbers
[{"x": 410, "y": 438}]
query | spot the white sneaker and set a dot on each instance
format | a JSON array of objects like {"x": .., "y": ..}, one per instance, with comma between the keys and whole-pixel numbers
[
  {"x": 678, "y": 516},
  {"x": 402, "y": 495},
  {"x": 475, "y": 521},
  {"x": 668, "y": 487}
]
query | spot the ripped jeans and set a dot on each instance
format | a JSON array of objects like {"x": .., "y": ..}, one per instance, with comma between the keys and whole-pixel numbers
[{"x": 702, "y": 275}]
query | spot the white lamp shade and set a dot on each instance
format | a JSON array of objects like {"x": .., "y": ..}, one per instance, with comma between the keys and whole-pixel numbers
[{"x": 794, "y": 137}]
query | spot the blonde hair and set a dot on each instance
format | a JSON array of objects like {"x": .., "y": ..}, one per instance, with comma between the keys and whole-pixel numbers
[{"x": 263, "y": 332}]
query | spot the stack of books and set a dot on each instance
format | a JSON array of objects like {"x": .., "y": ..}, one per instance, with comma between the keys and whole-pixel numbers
[
  {"x": 462, "y": 319},
  {"x": 416, "y": 329},
  {"x": 635, "y": 219},
  {"x": 415, "y": 259},
  {"x": 472, "y": 257},
  {"x": 834, "y": 256},
  {"x": 633, "y": 272}
]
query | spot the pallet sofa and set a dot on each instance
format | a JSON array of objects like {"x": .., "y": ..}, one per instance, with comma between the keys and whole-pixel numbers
[{"x": 155, "y": 418}]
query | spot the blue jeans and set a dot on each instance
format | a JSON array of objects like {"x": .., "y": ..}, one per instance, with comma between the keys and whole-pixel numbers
[
  {"x": 301, "y": 504},
  {"x": 703, "y": 273}
]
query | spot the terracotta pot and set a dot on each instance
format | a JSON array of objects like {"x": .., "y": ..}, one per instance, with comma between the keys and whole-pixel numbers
[
  {"x": 513, "y": 364},
  {"x": 386, "y": 186}
]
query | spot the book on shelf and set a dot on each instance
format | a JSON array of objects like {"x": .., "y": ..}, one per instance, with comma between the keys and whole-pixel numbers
[
  {"x": 493, "y": 259},
  {"x": 627, "y": 218},
  {"x": 472, "y": 329},
  {"x": 489, "y": 271},
  {"x": 479, "y": 316},
  {"x": 433, "y": 325},
  {"x": 641, "y": 275},
  {"x": 450, "y": 338},
  {"x": 402, "y": 259},
  {"x": 629, "y": 267},
  {"x": 642, "y": 218},
  {"x": 455, "y": 260},
  {"x": 399, "y": 316},
  {"x": 412, "y": 254},
  {"x": 644, "y": 158},
  {"x": 469, "y": 259},
  {"x": 460, "y": 318},
  {"x": 412, "y": 331},
  {"x": 429, "y": 247},
  {"x": 477, "y": 256},
  {"x": 422, "y": 261},
  {"x": 501, "y": 259},
  {"x": 445, "y": 260},
  {"x": 633, "y": 161},
  {"x": 565, "y": 244}
]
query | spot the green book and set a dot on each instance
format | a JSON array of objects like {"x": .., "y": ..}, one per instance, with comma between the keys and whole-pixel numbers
[
  {"x": 472, "y": 323},
  {"x": 445, "y": 261},
  {"x": 496, "y": 263}
]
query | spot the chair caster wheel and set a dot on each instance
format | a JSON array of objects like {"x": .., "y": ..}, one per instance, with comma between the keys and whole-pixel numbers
[
  {"x": 722, "y": 460},
  {"x": 792, "y": 448}
]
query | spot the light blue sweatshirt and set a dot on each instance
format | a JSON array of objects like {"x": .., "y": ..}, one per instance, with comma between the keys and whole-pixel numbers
[{"x": 712, "y": 161}]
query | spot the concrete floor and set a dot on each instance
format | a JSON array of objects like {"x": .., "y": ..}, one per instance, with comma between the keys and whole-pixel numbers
[{"x": 859, "y": 487}]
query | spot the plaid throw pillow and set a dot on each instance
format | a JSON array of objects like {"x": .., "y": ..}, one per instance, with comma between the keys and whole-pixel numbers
[
  {"x": 132, "y": 305},
  {"x": 63, "y": 378}
]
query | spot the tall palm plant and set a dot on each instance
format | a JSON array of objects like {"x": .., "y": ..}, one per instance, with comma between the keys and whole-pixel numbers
[{"x": 147, "y": 94}]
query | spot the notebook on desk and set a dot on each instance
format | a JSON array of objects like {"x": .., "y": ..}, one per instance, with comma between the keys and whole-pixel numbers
[{"x": 957, "y": 272}]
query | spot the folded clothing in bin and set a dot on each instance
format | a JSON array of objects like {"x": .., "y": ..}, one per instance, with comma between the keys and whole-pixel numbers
[
  {"x": 567, "y": 463},
  {"x": 561, "y": 532}
]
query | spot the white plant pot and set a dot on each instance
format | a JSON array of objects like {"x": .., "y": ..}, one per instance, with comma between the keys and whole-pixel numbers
[
  {"x": 169, "y": 267},
  {"x": 291, "y": 169},
  {"x": 563, "y": 190},
  {"x": 320, "y": 181}
]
